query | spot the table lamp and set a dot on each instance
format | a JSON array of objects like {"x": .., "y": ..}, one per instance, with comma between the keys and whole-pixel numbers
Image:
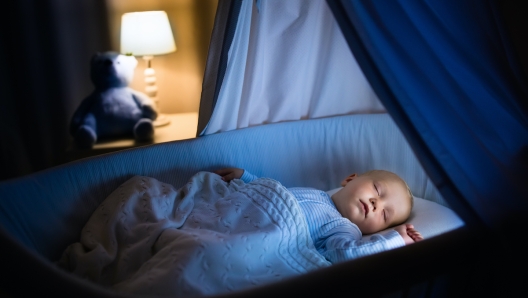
[{"x": 146, "y": 34}]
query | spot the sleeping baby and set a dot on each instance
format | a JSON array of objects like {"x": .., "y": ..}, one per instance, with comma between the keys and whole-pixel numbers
[
  {"x": 367, "y": 204},
  {"x": 227, "y": 231}
]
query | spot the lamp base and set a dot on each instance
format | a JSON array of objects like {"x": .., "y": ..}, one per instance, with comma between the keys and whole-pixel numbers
[{"x": 162, "y": 120}]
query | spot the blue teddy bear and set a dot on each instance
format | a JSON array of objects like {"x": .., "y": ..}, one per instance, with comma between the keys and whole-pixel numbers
[{"x": 113, "y": 109}]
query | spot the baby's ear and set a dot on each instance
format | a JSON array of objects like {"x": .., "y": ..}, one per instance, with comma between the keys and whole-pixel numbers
[{"x": 348, "y": 179}]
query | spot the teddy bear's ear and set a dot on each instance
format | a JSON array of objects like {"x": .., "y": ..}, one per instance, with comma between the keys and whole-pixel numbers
[
  {"x": 134, "y": 61},
  {"x": 131, "y": 60}
]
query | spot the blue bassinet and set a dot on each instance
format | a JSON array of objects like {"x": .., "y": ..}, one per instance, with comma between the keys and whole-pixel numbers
[{"x": 42, "y": 213}]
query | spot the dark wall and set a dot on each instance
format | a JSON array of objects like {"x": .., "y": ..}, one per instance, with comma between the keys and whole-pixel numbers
[
  {"x": 45, "y": 47},
  {"x": 515, "y": 17}
]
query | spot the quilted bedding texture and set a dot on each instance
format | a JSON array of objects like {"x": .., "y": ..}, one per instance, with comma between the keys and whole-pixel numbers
[{"x": 208, "y": 237}]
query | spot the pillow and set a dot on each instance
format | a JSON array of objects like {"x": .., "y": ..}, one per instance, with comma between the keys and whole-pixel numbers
[{"x": 429, "y": 218}]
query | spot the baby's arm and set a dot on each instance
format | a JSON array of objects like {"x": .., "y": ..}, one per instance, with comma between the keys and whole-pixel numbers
[
  {"x": 408, "y": 233},
  {"x": 347, "y": 245}
]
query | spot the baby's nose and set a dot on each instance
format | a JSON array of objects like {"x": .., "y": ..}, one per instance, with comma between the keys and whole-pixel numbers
[{"x": 374, "y": 203}]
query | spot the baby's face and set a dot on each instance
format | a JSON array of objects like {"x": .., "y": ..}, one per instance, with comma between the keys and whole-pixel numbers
[{"x": 373, "y": 202}]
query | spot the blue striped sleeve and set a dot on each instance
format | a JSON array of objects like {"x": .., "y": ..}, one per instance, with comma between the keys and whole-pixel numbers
[
  {"x": 248, "y": 177},
  {"x": 340, "y": 248}
]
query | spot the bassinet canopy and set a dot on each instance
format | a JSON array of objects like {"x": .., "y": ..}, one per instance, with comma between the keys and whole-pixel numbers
[{"x": 445, "y": 72}]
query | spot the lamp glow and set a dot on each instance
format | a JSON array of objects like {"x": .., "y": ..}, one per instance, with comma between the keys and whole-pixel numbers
[{"x": 146, "y": 34}]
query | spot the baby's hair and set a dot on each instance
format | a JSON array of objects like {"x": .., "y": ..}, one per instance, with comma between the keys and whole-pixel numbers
[{"x": 411, "y": 197}]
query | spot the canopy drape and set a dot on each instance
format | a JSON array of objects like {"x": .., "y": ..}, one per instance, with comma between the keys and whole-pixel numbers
[
  {"x": 287, "y": 61},
  {"x": 446, "y": 72}
]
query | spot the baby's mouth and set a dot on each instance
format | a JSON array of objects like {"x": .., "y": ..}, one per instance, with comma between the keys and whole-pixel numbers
[{"x": 365, "y": 208}]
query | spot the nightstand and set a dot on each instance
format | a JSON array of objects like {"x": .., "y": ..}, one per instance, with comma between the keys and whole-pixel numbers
[{"x": 182, "y": 126}]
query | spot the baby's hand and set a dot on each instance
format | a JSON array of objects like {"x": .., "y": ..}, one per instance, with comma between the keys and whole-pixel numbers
[
  {"x": 408, "y": 233},
  {"x": 414, "y": 234},
  {"x": 229, "y": 174}
]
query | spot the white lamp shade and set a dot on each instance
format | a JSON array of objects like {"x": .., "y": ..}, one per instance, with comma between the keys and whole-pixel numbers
[{"x": 146, "y": 33}]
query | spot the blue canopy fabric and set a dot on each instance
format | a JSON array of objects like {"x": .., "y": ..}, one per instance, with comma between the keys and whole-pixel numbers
[{"x": 447, "y": 74}]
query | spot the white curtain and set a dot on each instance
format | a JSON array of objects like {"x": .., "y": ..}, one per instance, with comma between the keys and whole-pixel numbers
[{"x": 289, "y": 61}]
